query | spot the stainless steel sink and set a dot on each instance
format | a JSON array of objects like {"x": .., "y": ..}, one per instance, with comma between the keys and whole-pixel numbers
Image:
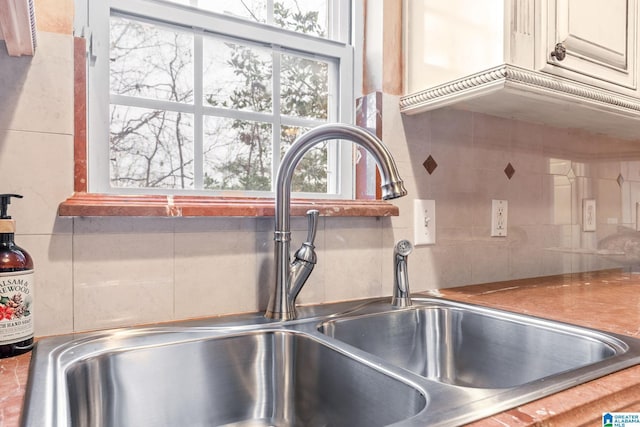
[
  {"x": 474, "y": 347},
  {"x": 258, "y": 378},
  {"x": 359, "y": 363}
]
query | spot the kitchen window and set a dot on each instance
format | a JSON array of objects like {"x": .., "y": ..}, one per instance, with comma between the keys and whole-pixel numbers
[{"x": 201, "y": 97}]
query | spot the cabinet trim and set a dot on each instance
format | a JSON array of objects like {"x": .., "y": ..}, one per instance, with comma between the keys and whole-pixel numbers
[
  {"x": 512, "y": 91},
  {"x": 503, "y": 75}
]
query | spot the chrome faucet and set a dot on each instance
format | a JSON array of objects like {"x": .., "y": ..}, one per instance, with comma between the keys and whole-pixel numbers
[
  {"x": 401, "y": 292},
  {"x": 291, "y": 277}
]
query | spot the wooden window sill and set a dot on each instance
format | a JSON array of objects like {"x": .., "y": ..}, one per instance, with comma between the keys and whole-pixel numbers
[{"x": 90, "y": 204}]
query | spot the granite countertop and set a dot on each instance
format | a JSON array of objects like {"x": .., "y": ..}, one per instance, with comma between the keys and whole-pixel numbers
[
  {"x": 13, "y": 380},
  {"x": 608, "y": 300}
]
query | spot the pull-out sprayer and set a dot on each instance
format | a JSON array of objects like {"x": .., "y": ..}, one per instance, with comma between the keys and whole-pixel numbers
[{"x": 401, "y": 292}]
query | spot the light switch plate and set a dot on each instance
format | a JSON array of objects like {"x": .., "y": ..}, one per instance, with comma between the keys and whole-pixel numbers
[
  {"x": 424, "y": 222},
  {"x": 588, "y": 214}
]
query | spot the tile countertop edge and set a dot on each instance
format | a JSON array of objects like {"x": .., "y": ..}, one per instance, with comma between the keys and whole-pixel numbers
[{"x": 565, "y": 297}]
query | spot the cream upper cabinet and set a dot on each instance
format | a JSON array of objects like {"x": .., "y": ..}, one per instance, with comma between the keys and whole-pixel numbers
[
  {"x": 593, "y": 39},
  {"x": 562, "y": 62},
  {"x": 445, "y": 40}
]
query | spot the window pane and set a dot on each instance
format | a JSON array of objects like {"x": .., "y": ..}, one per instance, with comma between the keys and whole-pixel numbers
[
  {"x": 197, "y": 88},
  {"x": 252, "y": 10},
  {"x": 237, "y": 76},
  {"x": 237, "y": 154},
  {"x": 150, "y": 61},
  {"x": 150, "y": 148},
  {"x": 304, "y": 87},
  {"x": 303, "y": 16},
  {"x": 311, "y": 172}
]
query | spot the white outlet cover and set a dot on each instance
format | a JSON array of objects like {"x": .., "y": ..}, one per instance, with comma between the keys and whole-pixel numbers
[
  {"x": 499, "y": 215},
  {"x": 424, "y": 222}
]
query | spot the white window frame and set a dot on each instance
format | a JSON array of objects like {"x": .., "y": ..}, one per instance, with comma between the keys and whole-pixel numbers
[{"x": 92, "y": 18}]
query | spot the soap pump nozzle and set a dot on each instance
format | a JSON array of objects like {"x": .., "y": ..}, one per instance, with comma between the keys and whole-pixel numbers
[{"x": 5, "y": 201}]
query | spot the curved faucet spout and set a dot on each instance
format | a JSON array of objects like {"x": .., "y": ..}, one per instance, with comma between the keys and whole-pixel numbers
[{"x": 282, "y": 301}]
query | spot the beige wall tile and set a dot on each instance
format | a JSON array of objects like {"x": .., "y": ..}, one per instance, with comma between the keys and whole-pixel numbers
[
  {"x": 353, "y": 258},
  {"x": 122, "y": 279},
  {"x": 215, "y": 273},
  {"x": 393, "y": 129},
  {"x": 122, "y": 225},
  {"x": 416, "y": 186},
  {"x": 490, "y": 260},
  {"x": 40, "y": 167},
  {"x": 526, "y": 200},
  {"x": 526, "y": 147},
  {"x": 53, "y": 309},
  {"x": 37, "y": 92},
  {"x": 555, "y": 170},
  {"x": 491, "y": 142},
  {"x": 452, "y": 266}
]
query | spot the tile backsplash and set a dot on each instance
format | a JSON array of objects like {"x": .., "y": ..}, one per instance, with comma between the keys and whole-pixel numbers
[{"x": 109, "y": 272}]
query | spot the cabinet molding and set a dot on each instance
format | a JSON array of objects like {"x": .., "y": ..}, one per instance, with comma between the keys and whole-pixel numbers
[{"x": 515, "y": 92}]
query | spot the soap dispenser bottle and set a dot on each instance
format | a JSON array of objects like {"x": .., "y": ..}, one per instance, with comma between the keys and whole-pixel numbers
[{"x": 16, "y": 288}]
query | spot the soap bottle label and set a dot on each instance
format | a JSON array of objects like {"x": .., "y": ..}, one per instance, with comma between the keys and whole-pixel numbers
[{"x": 16, "y": 306}]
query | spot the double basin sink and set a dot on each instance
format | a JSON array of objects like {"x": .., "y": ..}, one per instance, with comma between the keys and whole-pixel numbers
[{"x": 359, "y": 363}]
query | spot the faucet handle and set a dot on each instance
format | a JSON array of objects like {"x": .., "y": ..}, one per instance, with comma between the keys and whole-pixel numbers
[
  {"x": 305, "y": 258},
  {"x": 312, "y": 216}
]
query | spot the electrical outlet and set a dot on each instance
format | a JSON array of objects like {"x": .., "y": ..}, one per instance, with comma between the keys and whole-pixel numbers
[
  {"x": 588, "y": 215},
  {"x": 424, "y": 222},
  {"x": 499, "y": 212}
]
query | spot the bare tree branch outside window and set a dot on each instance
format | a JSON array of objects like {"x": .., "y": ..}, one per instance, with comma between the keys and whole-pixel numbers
[{"x": 154, "y": 147}]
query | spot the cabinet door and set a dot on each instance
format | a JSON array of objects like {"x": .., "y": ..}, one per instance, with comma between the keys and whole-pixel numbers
[{"x": 599, "y": 37}]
